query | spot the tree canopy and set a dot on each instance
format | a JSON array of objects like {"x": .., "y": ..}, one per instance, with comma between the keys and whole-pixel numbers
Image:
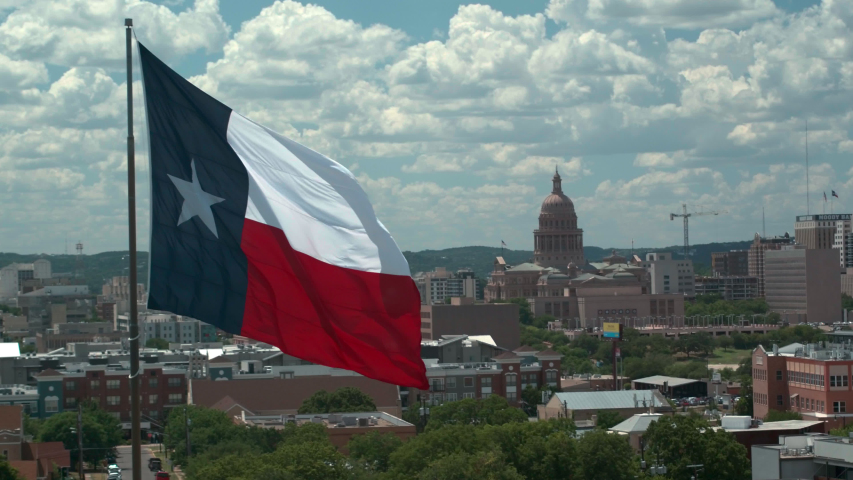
[
  {"x": 494, "y": 410},
  {"x": 342, "y": 400},
  {"x": 781, "y": 416},
  {"x": 158, "y": 343},
  {"x": 101, "y": 433}
]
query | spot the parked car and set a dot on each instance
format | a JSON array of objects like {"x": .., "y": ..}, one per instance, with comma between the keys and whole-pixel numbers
[
  {"x": 155, "y": 464},
  {"x": 161, "y": 475}
]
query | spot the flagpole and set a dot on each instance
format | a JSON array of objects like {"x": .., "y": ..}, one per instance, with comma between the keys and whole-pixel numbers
[{"x": 135, "y": 433}]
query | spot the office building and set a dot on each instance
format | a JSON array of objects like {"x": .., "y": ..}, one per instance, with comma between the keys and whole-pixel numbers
[
  {"x": 117, "y": 289},
  {"x": 803, "y": 285},
  {"x": 729, "y": 288},
  {"x": 841, "y": 241},
  {"x": 175, "y": 328},
  {"x": 463, "y": 317},
  {"x": 14, "y": 275},
  {"x": 730, "y": 264},
  {"x": 438, "y": 286},
  {"x": 669, "y": 275},
  {"x": 817, "y": 232},
  {"x": 813, "y": 380},
  {"x": 756, "y": 255}
]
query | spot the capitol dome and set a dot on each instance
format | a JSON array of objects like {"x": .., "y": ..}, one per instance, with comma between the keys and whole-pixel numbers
[{"x": 558, "y": 240}]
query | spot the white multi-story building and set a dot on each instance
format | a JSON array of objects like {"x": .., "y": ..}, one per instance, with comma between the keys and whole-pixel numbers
[
  {"x": 175, "y": 329},
  {"x": 842, "y": 230},
  {"x": 669, "y": 275},
  {"x": 13, "y": 275},
  {"x": 437, "y": 286}
]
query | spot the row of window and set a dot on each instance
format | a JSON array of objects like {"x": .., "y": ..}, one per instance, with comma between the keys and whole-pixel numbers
[
  {"x": 815, "y": 405},
  {"x": 761, "y": 398},
  {"x": 116, "y": 384},
  {"x": 805, "y": 378},
  {"x": 759, "y": 374},
  {"x": 51, "y": 404},
  {"x": 619, "y": 312}
]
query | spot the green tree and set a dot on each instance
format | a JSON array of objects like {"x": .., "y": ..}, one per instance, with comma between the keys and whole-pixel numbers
[
  {"x": 542, "y": 321},
  {"x": 525, "y": 316},
  {"x": 846, "y": 302},
  {"x": 781, "y": 416},
  {"x": 603, "y": 455},
  {"x": 543, "y": 449},
  {"x": 28, "y": 348},
  {"x": 464, "y": 466},
  {"x": 158, "y": 343},
  {"x": 342, "y": 400},
  {"x": 680, "y": 441},
  {"x": 744, "y": 403},
  {"x": 419, "y": 452},
  {"x": 373, "y": 450},
  {"x": 7, "y": 472},
  {"x": 494, "y": 410},
  {"x": 608, "y": 418},
  {"x": 725, "y": 342},
  {"x": 207, "y": 427},
  {"x": 101, "y": 433},
  {"x": 32, "y": 426}
]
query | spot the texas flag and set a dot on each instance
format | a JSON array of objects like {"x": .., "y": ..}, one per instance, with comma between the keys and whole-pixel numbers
[{"x": 263, "y": 237}]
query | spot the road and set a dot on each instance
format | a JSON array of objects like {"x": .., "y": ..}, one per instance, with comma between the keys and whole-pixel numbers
[{"x": 125, "y": 463}]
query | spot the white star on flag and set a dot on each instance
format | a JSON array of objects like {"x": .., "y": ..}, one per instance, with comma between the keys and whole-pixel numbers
[{"x": 197, "y": 202}]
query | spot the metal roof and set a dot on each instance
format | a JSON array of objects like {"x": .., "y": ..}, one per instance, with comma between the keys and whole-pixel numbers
[
  {"x": 671, "y": 381},
  {"x": 10, "y": 349},
  {"x": 611, "y": 399},
  {"x": 637, "y": 423}
]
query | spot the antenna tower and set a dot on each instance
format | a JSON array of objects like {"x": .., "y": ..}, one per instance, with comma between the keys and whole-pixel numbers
[{"x": 79, "y": 258}]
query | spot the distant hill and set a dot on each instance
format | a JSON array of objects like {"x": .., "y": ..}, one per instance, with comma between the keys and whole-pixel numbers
[
  {"x": 480, "y": 259},
  {"x": 99, "y": 267}
]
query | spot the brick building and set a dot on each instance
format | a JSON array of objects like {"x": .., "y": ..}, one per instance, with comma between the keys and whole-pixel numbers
[
  {"x": 161, "y": 389},
  {"x": 34, "y": 461},
  {"x": 507, "y": 375},
  {"x": 813, "y": 380}
]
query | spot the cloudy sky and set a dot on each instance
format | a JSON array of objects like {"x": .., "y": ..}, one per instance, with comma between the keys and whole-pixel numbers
[{"x": 452, "y": 116}]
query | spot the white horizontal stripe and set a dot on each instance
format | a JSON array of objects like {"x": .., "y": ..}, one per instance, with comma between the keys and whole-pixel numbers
[{"x": 316, "y": 201}]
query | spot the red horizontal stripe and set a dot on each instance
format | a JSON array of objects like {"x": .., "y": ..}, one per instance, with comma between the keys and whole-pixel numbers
[{"x": 361, "y": 321}]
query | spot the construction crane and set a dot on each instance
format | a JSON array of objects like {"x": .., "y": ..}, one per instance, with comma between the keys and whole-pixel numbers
[{"x": 686, "y": 216}]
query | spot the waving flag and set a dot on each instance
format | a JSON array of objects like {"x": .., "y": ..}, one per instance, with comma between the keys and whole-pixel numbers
[
  {"x": 503, "y": 244},
  {"x": 824, "y": 196},
  {"x": 834, "y": 194},
  {"x": 263, "y": 237}
]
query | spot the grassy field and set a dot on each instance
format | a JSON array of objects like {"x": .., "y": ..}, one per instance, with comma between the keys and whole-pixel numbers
[{"x": 732, "y": 356}]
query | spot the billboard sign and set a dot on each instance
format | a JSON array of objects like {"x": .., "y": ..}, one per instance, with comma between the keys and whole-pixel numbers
[{"x": 612, "y": 330}]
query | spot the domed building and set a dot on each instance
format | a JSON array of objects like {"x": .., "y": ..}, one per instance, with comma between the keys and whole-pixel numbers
[
  {"x": 558, "y": 240},
  {"x": 560, "y": 282}
]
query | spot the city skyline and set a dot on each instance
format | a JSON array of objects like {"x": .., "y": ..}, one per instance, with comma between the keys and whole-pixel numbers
[{"x": 452, "y": 119}]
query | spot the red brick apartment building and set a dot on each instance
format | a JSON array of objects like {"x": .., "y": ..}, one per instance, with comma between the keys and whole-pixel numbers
[
  {"x": 161, "y": 388},
  {"x": 33, "y": 461},
  {"x": 813, "y": 380}
]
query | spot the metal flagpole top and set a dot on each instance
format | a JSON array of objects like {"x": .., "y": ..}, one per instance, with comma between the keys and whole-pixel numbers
[{"x": 128, "y": 22}]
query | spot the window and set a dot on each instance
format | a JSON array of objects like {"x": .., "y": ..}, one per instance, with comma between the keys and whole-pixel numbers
[
  {"x": 51, "y": 404},
  {"x": 839, "y": 407},
  {"x": 551, "y": 376},
  {"x": 152, "y": 382},
  {"x": 451, "y": 397},
  {"x": 436, "y": 385},
  {"x": 175, "y": 397},
  {"x": 451, "y": 382},
  {"x": 175, "y": 382},
  {"x": 511, "y": 397},
  {"x": 468, "y": 395},
  {"x": 838, "y": 380},
  {"x": 112, "y": 384},
  {"x": 70, "y": 402},
  {"x": 468, "y": 381},
  {"x": 113, "y": 400},
  {"x": 778, "y": 374},
  {"x": 155, "y": 414},
  {"x": 779, "y": 400},
  {"x": 152, "y": 399},
  {"x": 511, "y": 380},
  {"x": 71, "y": 386},
  {"x": 95, "y": 384},
  {"x": 486, "y": 382}
]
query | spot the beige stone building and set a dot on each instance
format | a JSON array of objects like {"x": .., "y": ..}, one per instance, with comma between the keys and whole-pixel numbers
[
  {"x": 756, "y": 255},
  {"x": 562, "y": 283},
  {"x": 803, "y": 285}
]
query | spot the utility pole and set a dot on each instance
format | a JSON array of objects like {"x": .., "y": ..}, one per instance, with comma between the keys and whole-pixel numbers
[{"x": 80, "y": 440}]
